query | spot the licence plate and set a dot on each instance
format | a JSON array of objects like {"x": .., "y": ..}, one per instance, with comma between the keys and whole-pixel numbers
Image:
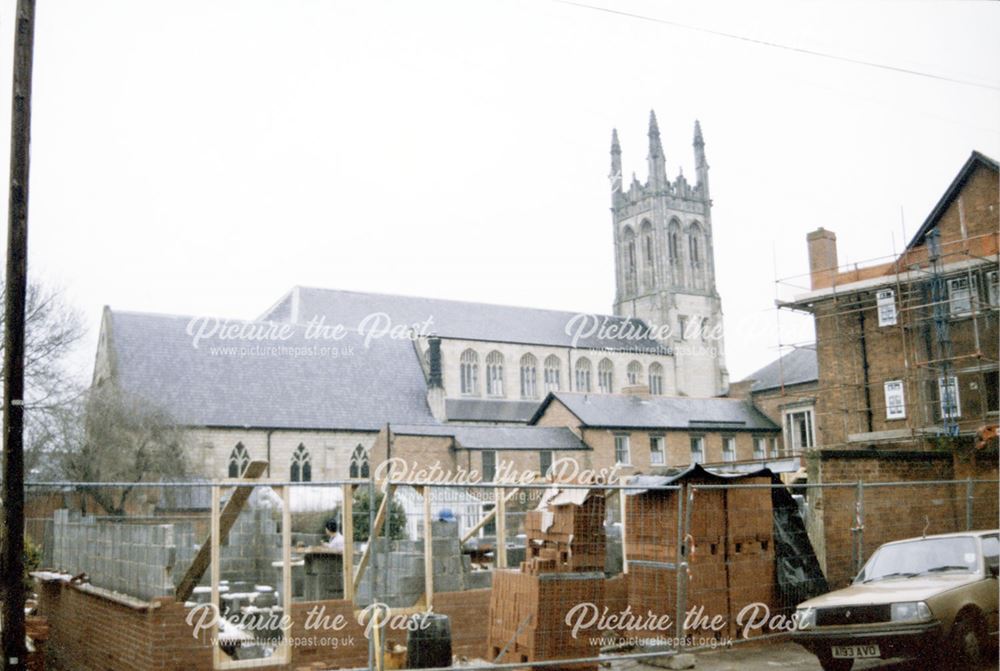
[{"x": 855, "y": 651}]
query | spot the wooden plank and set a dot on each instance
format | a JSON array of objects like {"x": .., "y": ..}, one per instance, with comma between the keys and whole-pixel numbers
[
  {"x": 428, "y": 551},
  {"x": 501, "y": 512},
  {"x": 372, "y": 533},
  {"x": 226, "y": 520},
  {"x": 348, "y": 531},
  {"x": 487, "y": 517},
  {"x": 622, "y": 513}
]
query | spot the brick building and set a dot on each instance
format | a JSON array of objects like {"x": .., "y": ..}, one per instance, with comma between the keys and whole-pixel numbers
[{"x": 907, "y": 354}]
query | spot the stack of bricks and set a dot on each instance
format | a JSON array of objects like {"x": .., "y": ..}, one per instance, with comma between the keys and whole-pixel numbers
[
  {"x": 566, "y": 537},
  {"x": 564, "y": 567},
  {"x": 731, "y": 563},
  {"x": 528, "y": 617},
  {"x": 750, "y": 554}
]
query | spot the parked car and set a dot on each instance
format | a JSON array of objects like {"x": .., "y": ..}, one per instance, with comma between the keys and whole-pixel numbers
[{"x": 933, "y": 598}]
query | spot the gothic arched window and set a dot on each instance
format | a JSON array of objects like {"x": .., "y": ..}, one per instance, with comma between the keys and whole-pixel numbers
[
  {"x": 359, "y": 463},
  {"x": 301, "y": 466},
  {"x": 494, "y": 374},
  {"x": 552, "y": 368},
  {"x": 695, "y": 245},
  {"x": 239, "y": 459},
  {"x": 630, "y": 260},
  {"x": 605, "y": 376},
  {"x": 648, "y": 254},
  {"x": 529, "y": 376},
  {"x": 469, "y": 368},
  {"x": 583, "y": 370},
  {"x": 655, "y": 379},
  {"x": 674, "y": 241},
  {"x": 634, "y": 374}
]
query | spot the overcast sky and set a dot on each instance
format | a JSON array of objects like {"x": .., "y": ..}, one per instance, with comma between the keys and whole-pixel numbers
[{"x": 203, "y": 157}]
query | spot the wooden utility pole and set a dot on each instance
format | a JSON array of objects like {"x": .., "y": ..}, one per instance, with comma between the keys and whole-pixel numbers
[{"x": 12, "y": 542}]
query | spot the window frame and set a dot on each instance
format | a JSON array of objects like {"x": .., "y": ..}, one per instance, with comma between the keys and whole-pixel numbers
[
  {"x": 469, "y": 372},
  {"x": 698, "y": 440},
  {"x": 529, "y": 376},
  {"x": 552, "y": 374},
  {"x": 623, "y": 443},
  {"x": 885, "y": 306},
  {"x": 240, "y": 458},
  {"x": 582, "y": 369},
  {"x": 657, "y": 450},
  {"x": 300, "y": 470},
  {"x": 495, "y": 375},
  {"x": 655, "y": 389},
  {"x": 606, "y": 376},
  {"x": 970, "y": 299},
  {"x": 943, "y": 383},
  {"x": 543, "y": 457},
  {"x": 489, "y": 471},
  {"x": 786, "y": 427},
  {"x": 728, "y": 455},
  {"x": 893, "y": 389}
]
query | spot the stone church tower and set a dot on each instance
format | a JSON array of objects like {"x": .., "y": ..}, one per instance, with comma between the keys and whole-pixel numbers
[{"x": 665, "y": 265}]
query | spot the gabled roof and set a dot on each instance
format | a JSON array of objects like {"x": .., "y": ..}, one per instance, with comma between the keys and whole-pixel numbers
[
  {"x": 240, "y": 383},
  {"x": 499, "y": 437},
  {"x": 799, "y": 366},
  {"x": 975, "y": 160},
  {"x": 661, "y": 412},
  {"x": 465, "y": 320}
]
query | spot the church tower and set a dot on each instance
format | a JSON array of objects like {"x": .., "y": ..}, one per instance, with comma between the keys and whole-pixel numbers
[{"x": 665, "y": 265}]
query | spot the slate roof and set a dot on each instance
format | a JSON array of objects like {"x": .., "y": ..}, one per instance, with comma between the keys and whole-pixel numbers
[
  {"x": 153, "y": 357},
  {"x": 661, "y": 412},
  {"x": 499, "y": 437},
  {"x": 482, "y": 410},
  {"x": 463, "y": 320},
  {"x": 797, "y": 367}
]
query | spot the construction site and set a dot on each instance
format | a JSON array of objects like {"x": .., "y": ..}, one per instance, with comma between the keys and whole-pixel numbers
[{"x": 227, "y": 575}]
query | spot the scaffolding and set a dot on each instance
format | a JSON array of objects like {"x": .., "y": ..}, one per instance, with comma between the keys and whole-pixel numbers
[{"x": 925, "y": 321}]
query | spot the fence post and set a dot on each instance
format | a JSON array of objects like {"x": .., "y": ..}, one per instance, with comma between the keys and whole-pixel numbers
[
  {"x": 858, "y": 530},
  {"x": 681, "y": 561},
  {"x": 969, "y": 498}
]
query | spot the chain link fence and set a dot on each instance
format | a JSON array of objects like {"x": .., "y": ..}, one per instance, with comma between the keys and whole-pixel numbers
[{"x": 247, "y": 574}]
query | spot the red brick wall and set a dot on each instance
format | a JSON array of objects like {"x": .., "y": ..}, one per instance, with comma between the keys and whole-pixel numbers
[
  {"x": 890, "y": 512},
  {"x": 91, "y": 632}
]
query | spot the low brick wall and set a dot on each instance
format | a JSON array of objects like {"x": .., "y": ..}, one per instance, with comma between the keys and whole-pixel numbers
[{"x": 95, "y": 631}]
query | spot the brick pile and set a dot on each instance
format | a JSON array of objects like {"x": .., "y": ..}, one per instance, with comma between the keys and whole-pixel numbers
[
  {"x": 528, "y": 616},
  {"x": 731, "y": 564},
  {"x": 566, "y": 537},
  {"x": 563, "y": 567}
]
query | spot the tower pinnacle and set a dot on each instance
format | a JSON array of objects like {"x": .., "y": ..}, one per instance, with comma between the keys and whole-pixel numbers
[
  {"x": 657, "y": 162},
  {"x": 700, "y": 164}
]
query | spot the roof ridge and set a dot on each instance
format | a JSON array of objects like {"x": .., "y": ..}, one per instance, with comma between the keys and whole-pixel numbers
[{"x": 461, "y": 302}]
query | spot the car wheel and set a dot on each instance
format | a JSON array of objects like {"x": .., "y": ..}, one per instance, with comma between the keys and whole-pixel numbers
[
  {"x": 829, "y": 663},
  {"x": 966, "y": 645}
]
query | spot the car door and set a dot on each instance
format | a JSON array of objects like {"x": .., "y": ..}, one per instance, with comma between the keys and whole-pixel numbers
[{"x": 991, "y": 559}]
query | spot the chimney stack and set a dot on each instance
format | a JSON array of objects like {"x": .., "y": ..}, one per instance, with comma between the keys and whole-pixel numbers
[
  {"x": 822, "y": 257},
  {"x": 435, "y": 380}
]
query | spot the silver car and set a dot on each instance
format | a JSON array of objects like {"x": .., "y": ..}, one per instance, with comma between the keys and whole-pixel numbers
[{"x": 933, "y": 598}]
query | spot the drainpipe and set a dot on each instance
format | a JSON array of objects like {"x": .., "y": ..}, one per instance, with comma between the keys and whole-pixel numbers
[
  {"x": 864, "y": 370},
  {"x": 269, "y": 432}
]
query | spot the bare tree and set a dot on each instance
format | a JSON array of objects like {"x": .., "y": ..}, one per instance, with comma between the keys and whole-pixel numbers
[
  {"x": 122, "y": 439},
  {"x": 52, "y": 329}
]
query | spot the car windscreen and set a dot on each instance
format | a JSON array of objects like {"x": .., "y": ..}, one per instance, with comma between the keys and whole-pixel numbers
[{"x": 921, "y": 557}]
